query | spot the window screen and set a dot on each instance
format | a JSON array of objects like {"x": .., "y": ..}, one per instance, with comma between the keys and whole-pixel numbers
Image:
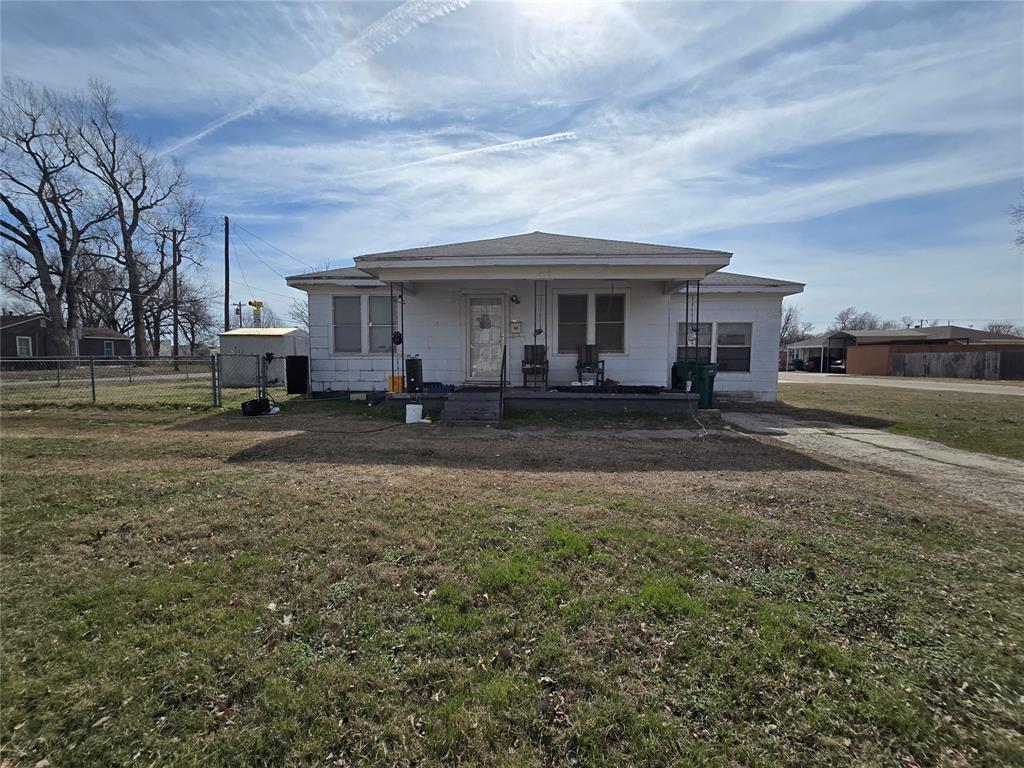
[
  {"x": 381, "y": 323},
  {"x": 24, "y": 346},
  {"x": 572, "y": 323},
  {"x": 610, "y": 322},
  {"x": 347, "y": 324},
  {"x": 734, "y": 346},
  {"x": 697, "y": 346}
]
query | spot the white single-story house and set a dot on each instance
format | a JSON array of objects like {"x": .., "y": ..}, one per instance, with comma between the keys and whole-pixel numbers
[{"x": 458, "y": 306}]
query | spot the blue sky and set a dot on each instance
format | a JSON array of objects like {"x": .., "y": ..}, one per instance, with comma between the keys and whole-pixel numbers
[{"x": 869, "y": 150}]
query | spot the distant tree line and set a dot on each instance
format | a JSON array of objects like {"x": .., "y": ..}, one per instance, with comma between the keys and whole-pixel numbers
[{"x": 94, "y": 221}]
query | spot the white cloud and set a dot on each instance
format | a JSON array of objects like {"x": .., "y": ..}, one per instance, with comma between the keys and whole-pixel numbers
[{"x": 688, "y": 118}]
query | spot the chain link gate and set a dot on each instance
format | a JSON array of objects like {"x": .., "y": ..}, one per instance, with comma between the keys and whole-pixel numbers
[{"x": 239, "y": 377}]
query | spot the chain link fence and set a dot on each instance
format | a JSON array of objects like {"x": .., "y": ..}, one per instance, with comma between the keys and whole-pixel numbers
[
  {"x": 27, "y": 382},
  {"x": 222, "y": 380}
]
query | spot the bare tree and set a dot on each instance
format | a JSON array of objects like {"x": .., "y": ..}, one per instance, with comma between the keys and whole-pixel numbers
[
  {"x": 850, "y": 319},
  {"x": 149, "y": 198},
  {"x": 156, "y": 313},
  {"x": 298, "y": 313},
  {"x": 907, "y": 321},
  {"x": 1017, "y": 217},
  {"x": 793, "y": 328},
  {"x": 49, "y": 211},
  {"x": 1005, "y": 327},
  {"x": 198, "y": 321},
  {"x": 104, "y": 296}
]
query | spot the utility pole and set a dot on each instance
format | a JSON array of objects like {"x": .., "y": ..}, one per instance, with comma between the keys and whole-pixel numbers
[
  {"x": 175, "y": 258},
  {"x": 227, "y": 275}
]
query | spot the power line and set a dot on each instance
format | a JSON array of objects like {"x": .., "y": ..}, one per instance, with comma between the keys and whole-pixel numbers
[
  {"x": 261, "y": 261},
  {"x": 279, "y": 250},
  {"x": 262, "y": 292},
  {"x": 238, "y": 263}
]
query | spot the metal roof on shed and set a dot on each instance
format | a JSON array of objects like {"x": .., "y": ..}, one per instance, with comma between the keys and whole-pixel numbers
[{"x": 261, "y": 331}]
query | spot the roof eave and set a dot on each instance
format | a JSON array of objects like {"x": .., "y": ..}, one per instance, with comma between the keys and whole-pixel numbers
[
  {"x": 781, "y": 290},
  {"x": 302, "y": 283}
]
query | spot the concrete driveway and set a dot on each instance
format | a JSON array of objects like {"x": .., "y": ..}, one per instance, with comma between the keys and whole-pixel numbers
[
  {"x": 897, "y": 382},
  {"x": 949, "y": 472}
]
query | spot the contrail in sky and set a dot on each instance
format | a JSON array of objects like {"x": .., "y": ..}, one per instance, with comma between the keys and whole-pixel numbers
[
  {"x": 509, "y": 146},
  {"x": 386, "y": 31}
]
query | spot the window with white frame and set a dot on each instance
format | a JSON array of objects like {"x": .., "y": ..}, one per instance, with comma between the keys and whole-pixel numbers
[
  {"x": 363, "y": 324},
  {"x": 24, "y": 346},
  {"x": 348, "y": 324},
  {"x": 733, "y": 347},
  {"x": 693, "y": 342},
  {"x": 591, "y": 318},
  {"x": 108, "y": 349}
]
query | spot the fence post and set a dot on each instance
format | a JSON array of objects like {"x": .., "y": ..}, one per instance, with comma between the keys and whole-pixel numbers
[
  {"x": 58, "y": 371},
  {"x": 214, "y": 383},
  {"x": 92, "y": 377},
  {"x": 129, "y": 370}
]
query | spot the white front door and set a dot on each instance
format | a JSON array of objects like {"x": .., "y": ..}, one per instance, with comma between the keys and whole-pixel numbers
[{"x": 485, "y": 317}]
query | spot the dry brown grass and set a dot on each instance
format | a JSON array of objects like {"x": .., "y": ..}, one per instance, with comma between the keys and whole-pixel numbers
[{"x": 488, "y": 598}]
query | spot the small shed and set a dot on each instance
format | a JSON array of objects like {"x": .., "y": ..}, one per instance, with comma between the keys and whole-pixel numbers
[{"x": 240, "y": 348}]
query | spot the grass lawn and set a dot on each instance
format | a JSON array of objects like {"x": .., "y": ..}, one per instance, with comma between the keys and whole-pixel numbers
[
  {"x": 974, "y": 422},
  {"x": 324, "y": 588}
]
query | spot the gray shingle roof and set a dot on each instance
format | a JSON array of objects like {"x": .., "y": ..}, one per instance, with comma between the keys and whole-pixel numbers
[
  {"x": 102, "y": 333},
  {"x": 734, "y": 278},
  {"x": 9, "y": 320},
  {"x": 540, "y": 244},
  {"x": 341, "y": 273}
]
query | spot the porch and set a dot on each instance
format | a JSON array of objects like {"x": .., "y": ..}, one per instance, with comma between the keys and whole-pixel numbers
[{"x": 487, "y": 405}]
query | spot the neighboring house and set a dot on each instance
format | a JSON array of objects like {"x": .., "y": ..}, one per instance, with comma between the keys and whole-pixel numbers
[
  {"x": 644, "y": 305},
  {"x": 869, "y": 353},
  {"x": 103, "y": 342},
  {"x": 23, "y": 336}
]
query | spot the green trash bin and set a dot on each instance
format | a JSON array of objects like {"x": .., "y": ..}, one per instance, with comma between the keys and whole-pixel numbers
[{"x": 703, "y": 377}]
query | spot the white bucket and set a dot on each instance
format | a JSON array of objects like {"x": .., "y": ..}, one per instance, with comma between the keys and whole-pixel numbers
[{"x": 413, "y": 413}]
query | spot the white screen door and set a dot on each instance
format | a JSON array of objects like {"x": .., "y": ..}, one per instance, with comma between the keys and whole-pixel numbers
[{"x": 486, "y": 319}]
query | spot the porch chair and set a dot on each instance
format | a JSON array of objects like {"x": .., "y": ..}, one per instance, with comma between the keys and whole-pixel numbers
[
  {"x": 535, "y": 363},
  {"x": 588, "y": 362}
]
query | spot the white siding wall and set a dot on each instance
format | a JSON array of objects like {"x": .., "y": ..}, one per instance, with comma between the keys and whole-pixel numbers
[
  {"x": 764, "y": 312},
  {"x": 435, "y": 330}
]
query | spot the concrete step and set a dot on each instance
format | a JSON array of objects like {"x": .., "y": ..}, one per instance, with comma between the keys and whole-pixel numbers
[{"x": 469, "y": 408}]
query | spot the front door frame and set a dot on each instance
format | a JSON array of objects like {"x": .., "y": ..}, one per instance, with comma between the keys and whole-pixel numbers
[{"x": 468, "y": 296}]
